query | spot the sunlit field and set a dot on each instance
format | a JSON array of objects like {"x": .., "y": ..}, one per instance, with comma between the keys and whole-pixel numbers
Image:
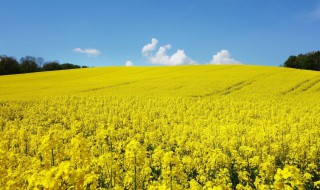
[{"x": 183, "y": 127}]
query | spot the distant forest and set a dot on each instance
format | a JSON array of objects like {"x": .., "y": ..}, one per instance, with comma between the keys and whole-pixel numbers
[
  {"x": 29, "y": 64},
  {"x": 310, "y": 61}
]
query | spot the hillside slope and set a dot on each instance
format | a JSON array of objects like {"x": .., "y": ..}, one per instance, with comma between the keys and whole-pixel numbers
[
  {"x": 186, "y": 127},
  {"x": 181, "y": 81}
]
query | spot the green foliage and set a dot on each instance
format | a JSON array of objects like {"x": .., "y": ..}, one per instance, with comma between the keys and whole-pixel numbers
[
  {"x": 309, "y": 61},
  {"x": 69, "y": 66},
  {"x": 51, "y": 66},
  {"x": 29, "y": 64},
  {"x": 8, "y": 65}
]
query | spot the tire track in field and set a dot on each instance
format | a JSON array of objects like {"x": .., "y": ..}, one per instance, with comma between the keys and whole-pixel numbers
[
  {"x": 219, "y": 69},
  {"x": 303, "y": 86},
  {"x": 117, "y": 85},
  {"x": 234, "y": 87},
  {"x": 228, "y": 90},
  {"x": 106, "y": 87},
  {"x": 295, "y": 87},
  {"x": 177, "y": 87},
  {"x": 139, "y": 72},
  {"x": 312, "y": 84}
]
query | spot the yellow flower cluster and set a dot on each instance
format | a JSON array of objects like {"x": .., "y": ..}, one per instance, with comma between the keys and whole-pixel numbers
[
  {"x": 228, "y": 135},
  {"x": 133, "y": 143}
]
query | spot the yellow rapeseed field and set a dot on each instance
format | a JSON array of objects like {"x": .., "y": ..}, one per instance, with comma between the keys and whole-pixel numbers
[{"x": 183, "y": 127}]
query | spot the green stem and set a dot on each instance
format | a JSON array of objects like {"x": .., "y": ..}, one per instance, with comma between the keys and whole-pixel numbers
[
  {"x": 170, "y": 176},
  {"x": 52, "y": 157},
  {"x": 135, "y": 173}
]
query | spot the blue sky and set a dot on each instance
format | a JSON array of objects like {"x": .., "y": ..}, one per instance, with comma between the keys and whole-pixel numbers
[{"x": 115, "y": 32}]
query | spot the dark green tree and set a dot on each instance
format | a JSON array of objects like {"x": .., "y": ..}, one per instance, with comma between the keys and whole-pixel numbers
[
  {"x": 28, "y": 64},
  {"x": 69, "y": 66},
  {"x": 310, "y": 61},
  {"x": 291, "y": 61},
  {"x": 51, "y": 66},
  {"x": 9, "y": 65},
  {"x": 40, "y": 61}
]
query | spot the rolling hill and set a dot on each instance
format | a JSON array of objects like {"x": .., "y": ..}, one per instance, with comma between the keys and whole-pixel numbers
[
  {"x": 181, "y": 81},
  {"x": 183, "y": 127}
]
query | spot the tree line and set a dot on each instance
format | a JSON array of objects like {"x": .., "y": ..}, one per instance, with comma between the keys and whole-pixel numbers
[
  {"x": 310, "y": 61},
  {"x": 30, "y": 64}
]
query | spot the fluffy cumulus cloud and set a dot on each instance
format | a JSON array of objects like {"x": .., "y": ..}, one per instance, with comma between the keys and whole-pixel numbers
[
  {"x": 149, "y": 47},
  {"x": 223, "y": 57},
  {"x": 161, "y": 57},
  {"x": 129, "y": 63},
  {"x": 90, "y": 52}
]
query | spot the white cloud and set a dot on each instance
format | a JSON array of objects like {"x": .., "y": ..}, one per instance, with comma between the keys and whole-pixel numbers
[
  {"x": 129, "y": 63},
  {"x": 162, "y": 58},
  {"x": 149, "y": 47},
  {"x": 89, "y": 52},
  {"x": 223, "y": 57}
]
